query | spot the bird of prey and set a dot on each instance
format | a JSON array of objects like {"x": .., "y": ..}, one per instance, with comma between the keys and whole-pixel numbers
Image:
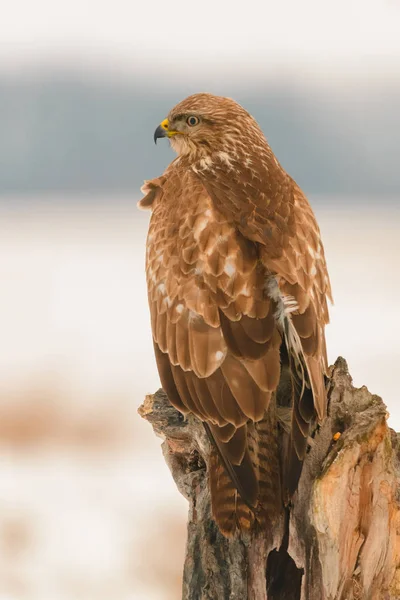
[{"x": 237, "y": 287}]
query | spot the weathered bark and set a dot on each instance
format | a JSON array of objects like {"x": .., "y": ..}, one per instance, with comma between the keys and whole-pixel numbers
[{"x": 343, "y": 539}]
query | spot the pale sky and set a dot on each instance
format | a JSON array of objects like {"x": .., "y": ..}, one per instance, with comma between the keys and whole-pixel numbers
[{"x": 349, "y": 34}]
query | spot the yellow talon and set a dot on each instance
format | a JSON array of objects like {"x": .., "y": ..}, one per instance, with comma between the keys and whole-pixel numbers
[{"x": 336, "y": 436}]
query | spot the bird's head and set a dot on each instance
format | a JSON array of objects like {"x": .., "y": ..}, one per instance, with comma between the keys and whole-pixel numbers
[{"x": 203, "y": 124}]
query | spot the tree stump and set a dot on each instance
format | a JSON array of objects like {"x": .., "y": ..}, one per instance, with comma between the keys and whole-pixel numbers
[{"x": 339, "y": 540}]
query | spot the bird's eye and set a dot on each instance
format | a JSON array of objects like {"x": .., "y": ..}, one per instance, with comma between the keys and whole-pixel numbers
[{"x": 192, "y": 121}]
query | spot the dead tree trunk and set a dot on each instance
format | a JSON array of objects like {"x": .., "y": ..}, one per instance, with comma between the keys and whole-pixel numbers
[{"x": 344, "y": 524}]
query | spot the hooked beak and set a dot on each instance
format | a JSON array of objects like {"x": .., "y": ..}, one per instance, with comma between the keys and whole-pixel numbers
[{"x": 164, "y": 131}]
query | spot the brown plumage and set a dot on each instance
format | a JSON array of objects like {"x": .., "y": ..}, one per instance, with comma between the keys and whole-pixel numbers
[{"x": 237, "y": 286}]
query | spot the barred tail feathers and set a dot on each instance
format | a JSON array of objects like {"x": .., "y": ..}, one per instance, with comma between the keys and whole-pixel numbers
[{"x": 249, "y": 492}]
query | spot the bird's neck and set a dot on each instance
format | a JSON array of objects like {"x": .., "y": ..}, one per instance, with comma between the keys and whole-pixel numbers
[{"x": 253, "y": 168}]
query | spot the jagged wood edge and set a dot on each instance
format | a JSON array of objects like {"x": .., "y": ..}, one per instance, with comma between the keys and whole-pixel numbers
[{"x": 219, "y": 568}]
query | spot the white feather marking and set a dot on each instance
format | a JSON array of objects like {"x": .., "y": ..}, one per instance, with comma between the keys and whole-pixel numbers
[
  {"x": 200, "y": 225},
  {"x": 293, "y": 339},
  {"x": 167, "y": 300},
  {"x": 313, "y": 270},
  {"x": 205, "y": 162},
  {"x": 286, "y": 304},
  {"x": 318, "y": 252},
  {"x": 219, "y": 355},
  {"x": 222, "y": 238},
  {"x": 229, "y": 268},
  {"x": 224, "y": 156},
  {"x": 246, "y": 291},
  {"x": 179, "y": 308},
  {"x": 161, "y": 288},
  {"x": 311, "y": 251},
  {"x": 193, "y": 316}
]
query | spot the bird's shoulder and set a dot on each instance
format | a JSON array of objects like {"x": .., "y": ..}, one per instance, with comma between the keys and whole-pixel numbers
[{"x": 176, "y": 181}]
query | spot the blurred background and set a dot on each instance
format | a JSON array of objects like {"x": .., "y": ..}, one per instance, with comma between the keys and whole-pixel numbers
[{"x": 87, "y": 506}]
